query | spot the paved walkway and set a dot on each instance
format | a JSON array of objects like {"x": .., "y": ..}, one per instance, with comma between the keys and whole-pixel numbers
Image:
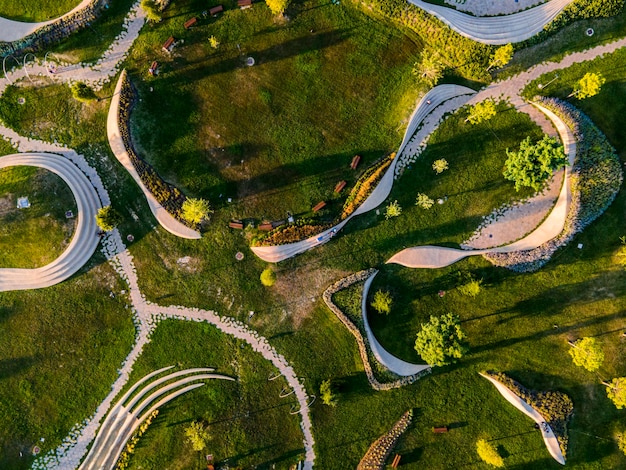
[
  {"x": 431, "y": 103},
  {"x": 437, "y": 257},
  {"x": 85, "y": 240},
  {"x": 548, "y": 435},
  {"x": 167, "y": 220},
  {"x": 13, "y": 30},
  {"x": 391, "y": 362},
  {"x": 493, "y": 7},
  {"x": 497, "y": 30}
]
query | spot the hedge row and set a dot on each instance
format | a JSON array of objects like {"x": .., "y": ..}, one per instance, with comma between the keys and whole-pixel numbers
[
  {"x": 595, "y": 179},
  {"x": 292, "y": 233},
  {"x": 167, "y": 195},
  {"x": 555, "y": 407}
]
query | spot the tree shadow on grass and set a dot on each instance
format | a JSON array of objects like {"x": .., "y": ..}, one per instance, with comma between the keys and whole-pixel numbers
[{"x": 15, "y": 366}]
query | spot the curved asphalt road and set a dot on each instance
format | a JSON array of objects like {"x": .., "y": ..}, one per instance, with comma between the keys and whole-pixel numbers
[
  {"x": 85, "y": 239},
  {"x": 497, "y": 30}
]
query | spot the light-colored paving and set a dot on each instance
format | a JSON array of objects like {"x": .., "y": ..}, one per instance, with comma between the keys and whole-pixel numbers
[
  {"x": 493, "y": 7},
  {"x": 548, "y": 435},
  {"x": 497, "y": 30},
  {"x": 11, "y": 30},
  {"x": 431, "y": 102},
  {"x": 126, "y": 416},
  {"x": 437, "y": 257},
  {"x": 85, "y": 239},
  {"x": 391, "y": 362},
  {"x": 165, "y": 219}
]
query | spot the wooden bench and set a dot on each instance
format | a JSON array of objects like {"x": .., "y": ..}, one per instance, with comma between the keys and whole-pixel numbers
[
  {"x": 243, "y": 4},
  {"x": 169, "y": 44},
  {"x": 320, "y": 205},
  {"x": 396, "y": 461},
  {"x": 238, "y": 224},
  {"x": 154, "y": 67},
  {"x": 190, "y": 22},
  {"x": 355, "y": 162},
  {"x": 215, "y": 10},
  {"x": 440, "y": 429},
  {"x": 340, "y": 186},
  {"x": 266, "y": 226}
]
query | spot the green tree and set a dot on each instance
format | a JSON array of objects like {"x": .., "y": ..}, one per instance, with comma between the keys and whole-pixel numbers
[
  {"x": 195, "y": 210},
  {"x": 277, "y": 7},
  {"x": 382, "y": 302},
  {"x": 108, "y": 218},
  {"x": 393, "y": 210},
  {"x": 441, "y": 340},
  {"x": 587, "y": 353},
  {"x": 429, "y": 69},
  {"x": 589, "y": 85},
  {"x": 533, "y": 164},
  {"x": 501, "y": 56},
  {"x": 268, "y": 277},
  {"x": 488, "y": 453},
  {"x": 424, "y": 201},
  {"x": 616, "y": 391},
  {"x": 81, "y": 92},
  {"x": 441, "y": 165},
  {"x": 482, "y": 111},
  {"x": 326, "y": 393},
  {"x": 471, "y": 288},
  {"x": 153, "y": 12},
  {"x": 197, "y": 435},
  {"x": 620, "y": 437}
]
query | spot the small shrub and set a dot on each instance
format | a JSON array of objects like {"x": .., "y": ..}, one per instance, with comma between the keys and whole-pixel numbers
[
  {"x": 195, "y": 210},
  {"x": 488, "y": 453},
  {"x": 424, "y": 201},
  {"x": 326, "y": 393},
  {"x": 277, "y": 7},
  {"x": 393, "y": 210},
  {"x": 197, "y": 435},
  {"x": 81, "y": 92},
  {"x": 268, "y": 277},
  {"x": 620, "y": 437},
  {"x": 471, "y": 289},
  {"x": 108, "y": 218},
  {"x": 440, "y": 165},
  {"x": 382, "y": 302},
  {"x": 214, "y": 42}
]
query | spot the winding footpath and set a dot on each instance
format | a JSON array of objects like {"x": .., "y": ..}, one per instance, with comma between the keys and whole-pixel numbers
[
  {"x": 497, "y": 30},
  {"x": 549, "y": 438}
]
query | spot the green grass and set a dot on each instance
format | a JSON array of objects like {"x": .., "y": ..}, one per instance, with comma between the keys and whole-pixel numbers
[
  {"x": 35, "y": 10},
  {"x": 60, "y": 349},
  {"x": 33, "y": 237},
  {"x": 249, "y": 424}
]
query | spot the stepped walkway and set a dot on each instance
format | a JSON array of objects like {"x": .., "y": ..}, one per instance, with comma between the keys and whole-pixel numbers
[
  {"x": 497, "y": 30},
  {"x": 11, "y": 30},
  {"x": 85, "y": 239}
]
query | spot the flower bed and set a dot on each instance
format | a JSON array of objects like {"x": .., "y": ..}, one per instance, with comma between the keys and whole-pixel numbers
[
  {"x": 555, "y": 407},
  {"x": 379, "y": 451},
  {"x": 595, "y": 179},
  {"x": 167, "y": 195}
]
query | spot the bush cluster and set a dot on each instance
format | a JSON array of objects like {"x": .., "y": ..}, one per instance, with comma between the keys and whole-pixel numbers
[
  {"x": 379, "y": 451},
  {"x": 555, "y": 407},
  {"x": 365, "y": 185},
  {"x": 292, "y": 233},
  {"x": 167, "y": 195}
]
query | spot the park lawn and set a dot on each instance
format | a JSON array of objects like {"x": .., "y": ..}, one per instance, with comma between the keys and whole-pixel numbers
[
  {"x": 277, "y": 136},
  {"x": 34, "y": 237},
  {"x": 60, "y": 350},
  {"x": 249, "y": 424},
  {"x": 35, "y": 10}
]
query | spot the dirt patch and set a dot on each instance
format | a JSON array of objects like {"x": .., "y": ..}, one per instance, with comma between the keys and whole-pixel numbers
[
  {"x": 299, "y": 290},
  {"x": 7, "y": 204}
]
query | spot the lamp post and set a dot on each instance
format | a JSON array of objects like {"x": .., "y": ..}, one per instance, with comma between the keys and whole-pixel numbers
[{"x": 541, "y": 87}]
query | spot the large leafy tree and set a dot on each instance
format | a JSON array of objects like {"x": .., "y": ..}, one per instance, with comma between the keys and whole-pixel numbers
[
  {"x": 441, "y": 340},
  {"x": 108, "y": 218},
  {"x": 501, "y": 56},
  {"x": 533, "y": 164},
  {"x": 589, "y": 85},
  {"x": 429, "y": 69},
  {"x": 616, "y": 391},
  {"x": 587, "y": 353},
  {"x": 195, "y": 210},
  {"x": 197, "y": 435},
  {"x": 83, "y": 93},
  {"x": 153, "y": 12}
]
